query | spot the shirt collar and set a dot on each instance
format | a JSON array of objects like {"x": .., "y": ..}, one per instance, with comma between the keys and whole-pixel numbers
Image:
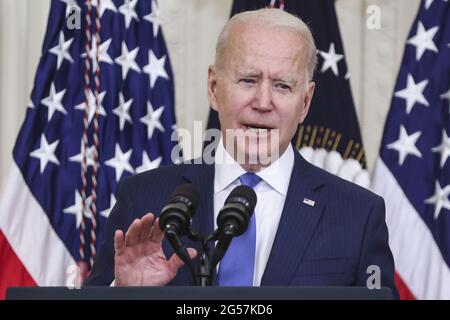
[
  {"x": 277, "y": 175},
  {"x": 227, "y": 170}
]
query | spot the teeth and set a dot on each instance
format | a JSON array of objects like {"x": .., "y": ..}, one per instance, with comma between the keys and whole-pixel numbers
[
  {"x": 262, "y": 131},
  {"x": 258, "y": 130}
]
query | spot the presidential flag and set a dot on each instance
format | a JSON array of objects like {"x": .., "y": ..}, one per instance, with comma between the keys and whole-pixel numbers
[
  {"x": 412, "y": 172},
  {"x": 330, "y": 137},
  {"x": 101, "y": 109}
]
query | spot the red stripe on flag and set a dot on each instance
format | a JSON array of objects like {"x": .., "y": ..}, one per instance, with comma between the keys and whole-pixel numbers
[
  {"x": 12, "y": 271},
  {"x": 403, "y": 290}
]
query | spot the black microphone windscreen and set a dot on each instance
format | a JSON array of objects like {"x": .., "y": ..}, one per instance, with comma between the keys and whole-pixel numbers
[
  {"x": 187, "y": 190},
  {"x": 244, "y": 192}
]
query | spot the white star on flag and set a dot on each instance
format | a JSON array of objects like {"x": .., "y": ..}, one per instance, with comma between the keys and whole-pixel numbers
[
  {"x": 122, "y": 111},
  {"x": 62, "y": 50},
  {"x": 428, "y": 3},
  {"x": 155, "y": 68},
  {"x": 89, "y": 156},
  {"x": 92, "y": 105},
  {"x": 53, "y": 101},
  {"x": 129, "y": 12},
  {"x": 77, "y": 208},
  {"x": 439, "y": 199},
  {"x": 30, "y": 104},
  {"x": 45, "y": 153},
  {"x": 406, "y": 145},
  {"x": 105, "y": 5},
  {"x": 443, "y": 148},
  {"x": 447, "y": 96},
  {"x": 147, "y": 164},
  {"x": 127, "y": 60},
  {"x": 70, "y": 5},
  {"x": 423, "y": 40},
  {"x": 103, "y": 55},
  {"x": 413, "y": 93},
  {"x": 112, "y": 202},
  {"x": 120, "y": 162},
  {"x": 151, "y": 119},
  {"x": 331, "y": 60},
  {"x": 154, "y": 18}
]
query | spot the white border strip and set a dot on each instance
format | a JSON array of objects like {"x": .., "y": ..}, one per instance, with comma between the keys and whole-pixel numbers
[
  {"x": 30, "y": 234},
  {"x": 418, "y": 259}
]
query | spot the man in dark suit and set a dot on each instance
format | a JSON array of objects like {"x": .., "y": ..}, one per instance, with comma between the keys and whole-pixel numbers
[{"x": 309, "y": 227}]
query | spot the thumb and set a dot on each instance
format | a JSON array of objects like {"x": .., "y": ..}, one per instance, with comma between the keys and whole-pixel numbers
[{"x": 176, "y": 263}]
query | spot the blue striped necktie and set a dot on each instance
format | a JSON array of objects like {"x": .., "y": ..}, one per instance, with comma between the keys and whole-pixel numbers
[{"x": 237, "y": 266}]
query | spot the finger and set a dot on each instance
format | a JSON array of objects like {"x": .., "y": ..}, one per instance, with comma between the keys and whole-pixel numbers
[
  {"x": 157, "y": 234},
  {"x": 192, "y": 253},
  {"x": 147, "y": 222},
  {"x": 132, "y": 235},
  {"x": 176, "y": 263},
  {"x": 119, "y": 242}
]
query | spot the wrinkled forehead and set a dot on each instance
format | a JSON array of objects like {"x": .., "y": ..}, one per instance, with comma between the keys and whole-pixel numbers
[{"x": 255, "y": 47}]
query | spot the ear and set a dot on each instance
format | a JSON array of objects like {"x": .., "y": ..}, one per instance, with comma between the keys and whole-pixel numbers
[
  {"x": 212, "y": 87},
  {"x": 307, "y": 101}
]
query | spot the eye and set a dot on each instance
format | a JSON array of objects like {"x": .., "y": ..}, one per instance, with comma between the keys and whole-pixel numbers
[
  {"x": 247, "y": 81},
  {"x": 283, "y": 86}
]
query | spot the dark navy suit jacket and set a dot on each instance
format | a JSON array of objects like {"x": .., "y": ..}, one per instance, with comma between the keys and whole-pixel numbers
[{"x": 329, "y": 244}]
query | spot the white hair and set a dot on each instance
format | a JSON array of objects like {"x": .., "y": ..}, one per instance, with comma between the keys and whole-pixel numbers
[{"x": 275, "y": 18}]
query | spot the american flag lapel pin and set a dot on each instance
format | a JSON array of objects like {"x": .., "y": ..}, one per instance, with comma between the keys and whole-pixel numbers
[{"x": 309, "y": 202}]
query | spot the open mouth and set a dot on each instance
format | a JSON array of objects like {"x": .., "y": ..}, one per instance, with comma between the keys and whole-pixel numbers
[{"x": 257, "y": 129}]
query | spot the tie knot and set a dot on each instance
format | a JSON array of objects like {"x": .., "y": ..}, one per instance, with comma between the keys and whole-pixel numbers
[{"x": 249, "y": 179}]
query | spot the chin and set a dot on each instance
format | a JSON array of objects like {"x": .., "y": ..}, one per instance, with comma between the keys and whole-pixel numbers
[{"x": 258, "y": 155}]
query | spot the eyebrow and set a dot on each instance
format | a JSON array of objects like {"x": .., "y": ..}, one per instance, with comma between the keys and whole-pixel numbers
[
  {"x": 248, "y": 73},
  {"x": 255, "y": 74},
  {"x": 290, "y": 81}
]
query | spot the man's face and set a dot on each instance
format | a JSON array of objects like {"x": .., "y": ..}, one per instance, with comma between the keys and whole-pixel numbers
[{"x": 261, "y": 84}]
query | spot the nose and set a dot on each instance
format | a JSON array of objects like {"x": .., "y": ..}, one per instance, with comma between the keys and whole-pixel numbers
[{"x": 263, "y": 99}]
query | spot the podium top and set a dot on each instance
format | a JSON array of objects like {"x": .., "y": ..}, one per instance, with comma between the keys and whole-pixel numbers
[{"x": 198, "y": 293}]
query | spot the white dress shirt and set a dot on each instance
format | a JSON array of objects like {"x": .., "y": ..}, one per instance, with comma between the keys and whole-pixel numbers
[{"x": 271, "y": 194}]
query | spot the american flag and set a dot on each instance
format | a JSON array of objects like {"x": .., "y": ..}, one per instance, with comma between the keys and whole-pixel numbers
[
  {"x": 413, "y": 169},
  {"x": 101, "y": 109}
]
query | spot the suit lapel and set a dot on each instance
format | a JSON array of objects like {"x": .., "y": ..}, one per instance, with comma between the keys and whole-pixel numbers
[
  {"x": 297, "y": 223},
  {"x": 202, "y": 178}
]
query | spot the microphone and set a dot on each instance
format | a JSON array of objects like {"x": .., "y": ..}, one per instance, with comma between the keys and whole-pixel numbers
[
  {"x": 175, "y": 219},
  {"x": 177, "y": 214},
  {"x": 233, "y": 218}
]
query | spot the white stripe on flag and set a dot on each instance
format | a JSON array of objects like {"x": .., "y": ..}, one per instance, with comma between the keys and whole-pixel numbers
[
  {"x": 28, "y": 230},
  {"x": 418, "y": 259}
]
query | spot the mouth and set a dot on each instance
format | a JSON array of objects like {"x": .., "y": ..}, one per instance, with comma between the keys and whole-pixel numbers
[{"x": 257, "y": 129}]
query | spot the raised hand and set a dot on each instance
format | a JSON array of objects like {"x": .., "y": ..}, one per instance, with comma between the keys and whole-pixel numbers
[{"x": 139, "y": 258}]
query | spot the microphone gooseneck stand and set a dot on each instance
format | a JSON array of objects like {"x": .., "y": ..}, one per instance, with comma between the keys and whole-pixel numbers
[
  {"x": 232, "y": 221},
  {"x": 202, "y": 273}
]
